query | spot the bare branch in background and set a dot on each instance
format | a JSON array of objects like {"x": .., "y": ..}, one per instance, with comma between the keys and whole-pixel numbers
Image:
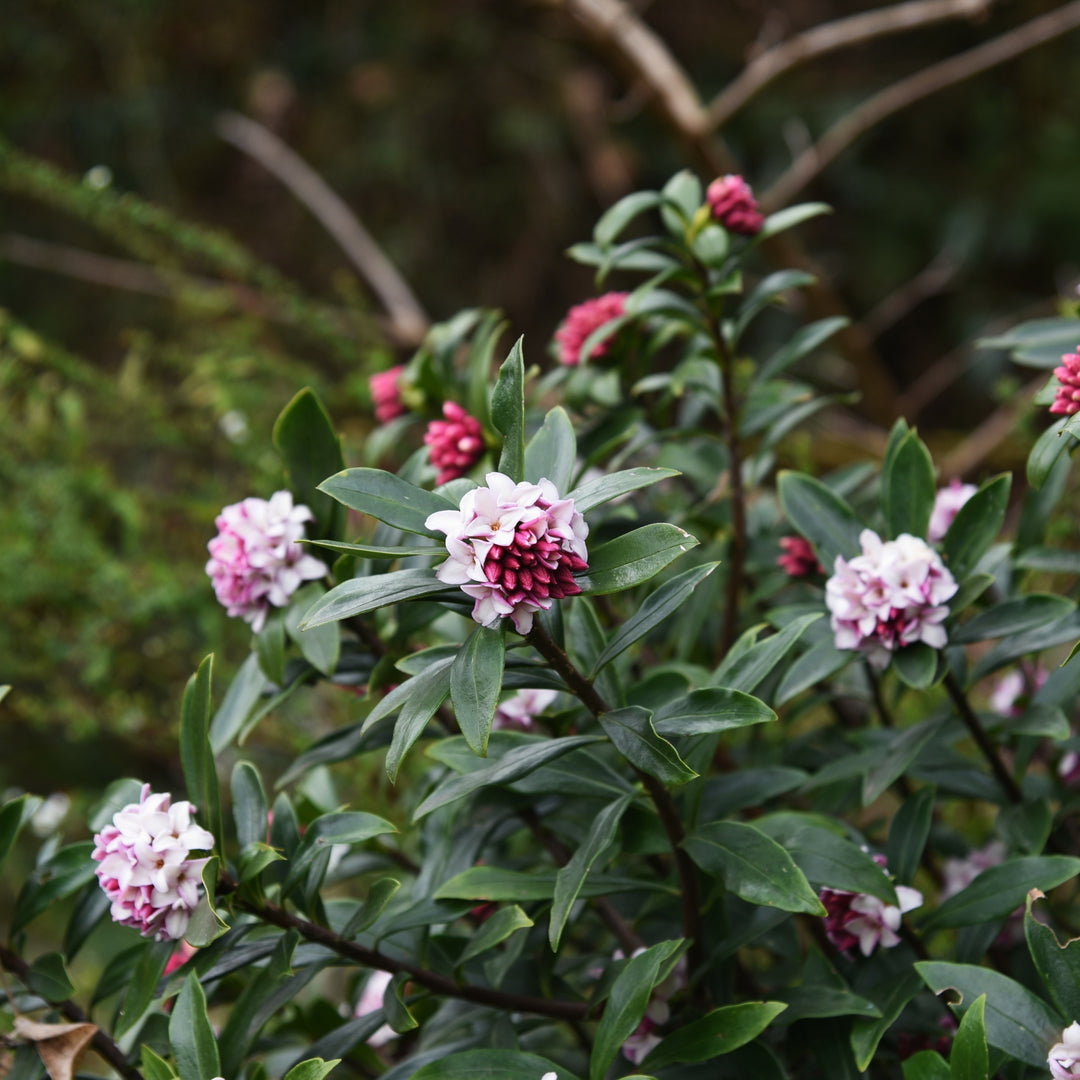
[
  {"x": 906, "y": 92},
  {"x": 829, "y": 37},
  {"x": 930, "y": 281},
  {"x": 410, "y": 321}
]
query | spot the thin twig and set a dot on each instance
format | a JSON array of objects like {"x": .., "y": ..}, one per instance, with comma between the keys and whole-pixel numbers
[
  {"x": 102, "y": 1042},
  {"x": 829, "y": 37},
  {"x": 933, "y": 279},
  {"x": 922, "y": 84},
  {"x": 337, "y": 218}
]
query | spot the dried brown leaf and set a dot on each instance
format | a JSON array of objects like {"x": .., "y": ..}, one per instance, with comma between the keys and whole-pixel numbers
[{"x": 60, "y": 1046}]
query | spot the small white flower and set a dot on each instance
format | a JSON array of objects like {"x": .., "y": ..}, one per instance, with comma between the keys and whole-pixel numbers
[
  {"x": 947, "y": 504},
  {"x": 958, "y": 874},
  {"x": 1064, "y": 1057},
  {"x": 371, "y": 1000},
  {"x": 518, "y": 713}
]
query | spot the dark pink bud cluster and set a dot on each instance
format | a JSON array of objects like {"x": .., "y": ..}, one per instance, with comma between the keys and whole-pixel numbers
[
  {"x": 734, "y": 206},
  {"x": 386, "y": 394},
  {"x": 456, "y": 443},
  {"x": 1067, "y": 401},
  {"x": 799, "y": 559},
  {"x": 533, "y": 568},
  {"x": 582, "y": 320}
]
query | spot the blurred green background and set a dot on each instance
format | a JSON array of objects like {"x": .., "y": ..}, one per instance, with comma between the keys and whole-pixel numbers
[{"x": 477, "y": 140}]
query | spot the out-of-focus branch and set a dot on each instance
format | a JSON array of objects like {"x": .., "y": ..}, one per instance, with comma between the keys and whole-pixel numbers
[
  {"x": 829, "y": 37},
  {"x": 931, "y": 280},
  {"x": 406, "y": 313},
  {"x": 906, "y": 92}
]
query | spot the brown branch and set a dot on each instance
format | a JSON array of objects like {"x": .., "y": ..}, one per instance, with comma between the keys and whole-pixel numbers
[
  {"x": 406, "y": 312},
  {"x": 933, "y": 279},
  {"x": 912, "y": 89},
  {"x": 102, "y": 1042},
  {"x": 829, "y": 37}
]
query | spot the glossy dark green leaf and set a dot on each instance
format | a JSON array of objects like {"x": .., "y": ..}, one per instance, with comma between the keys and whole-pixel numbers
[
  {"x": 976, "y": 526},
  {"x": 1017, "y": 1021},
  {"x": 360, "y": 595},
  {"x": 476, "y": 676},
  {"x": 551, "y": 452},
  {"x": 490, "y": 1065},
  {"x": 1013, "y": 617},
  {"x": 1049, "y": 446},
  {"x": 496, "y": 929},
  {"x": 717, "y": 1032},
  {"x": 1058, "y": 965},
  {"x": 969, "y": 590},
  {"x": 304, "y": 436},
  {"x": 48, "y": 978},
  {"x": 659, "y": 606},
  {"x": 350, "y": 827},
  {"x": 711, "y": 710},
  {"x": 191, "y": 1036},
  {"x": 13, "y": 815},
  {"x": 803, "y": 342},
  {"x": 789, "y": 217},
  {"x": 916, "y": 665},
  {"x": 634, "y": 558},
  {"x": 1025, "y": 827},
  {"x": 374, "y": 551},
  {"x": 969, "y": 1058},
  {"x": 270, "y": 647},
  {"x": 367, "y": 914},
  {"x": 926, "y": 1065},
  {"x": 908, "y": 488},
  {"x": 196, "y": 755},
  {"x": 893, "y": 759},
  {"x": 617, "y": 217},
  {"x": 320, "y": 646},
  {"x": 428, "y": 684},
  {"x": 817, "y": 1001},
  {"x": 90, "y": 909},
  {"x": 769, "y": 291},
  {"x": 418, "y": 705},
  {"x": 64, "y": 873},
  {"x": 155, "y": 1067},
  {"x": 908, "y": 834},
  {"x": 508, "y": 413},
  {"x": 492, "y": 883},
  {"x": 254, "y": 859},
  {"x": 632, "y": 732},
  {"x": 312, "y": 1069},
  {"x": 249, "y": 804},
  {"x": 140, "y": 991},
  {"x": 890, "y": 996},
  {"x": 743, "y": 670},
  {"x": 821, "y": 516},
  {"x": 815, "y": 665},
  {"x": 244, "y": 693},
  {"x": 572, "y": 876},
  {"x": 387, "y": 497},
  {"x": 626, "y": 1004},
  {"x": 511, "y": 766},
  {"x": 206, "y": 925},
  {"x": 753, "y": 866},
  {"x": 594, "y": 493}
]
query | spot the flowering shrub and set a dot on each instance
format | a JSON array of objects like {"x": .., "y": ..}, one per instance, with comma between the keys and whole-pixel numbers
[{"x": 638, "y": 760}]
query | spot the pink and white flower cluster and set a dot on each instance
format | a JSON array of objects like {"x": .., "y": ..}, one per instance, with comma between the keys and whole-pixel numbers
[
  {"x": 1064, "y": 1057},
  {"x": 146, "y": 867},
  {"x": 865, "y": 920},
  {"x": 584, "y": 319},
  {"x": 514, "y": 548},
  {"x": 733, "y": 204},
  {"x": 947, "y": 504},
  {"x": 255, "y": 559},
  {"x": 519, "y": 713},
  {"x": 1067, "y": 400},
  {"x": 958, "y": 874},
  {"x": 891, "y": 595}
]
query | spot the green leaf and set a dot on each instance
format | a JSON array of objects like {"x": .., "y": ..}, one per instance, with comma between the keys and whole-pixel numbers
[
  {"x": 603, "y": 489},
  {"x": 551, "y": 452},
  {"x": 490, "y": 1065},
  {"x": 815, "y": 665},
  {"x": 196, "y": 755},
  {"x": 312, "y": 1069},
  {"x": 13, "y": 815},
  {"x": 890, "y": 996},
  {"x": 926, "y": 1065},
  {"x": 421, "y": 701},
  {"x": 475, "y": 683},
  {"x": 1001, "y": 889},
  {"x": 1017, "y": 1021},
  {"x": 206, "y": 926},
  {"x": 821, "y": 516},
  {"x": 659, "y": 606},
  {"x": 632, "y": 732},
  {"x": 682, "y": 199},
  {"x": 718, "y": 1032},
  {"x": 243, "y": 695},
  {"x": 48, "y": 978},
  {"x": 1026, "y": 826},
  {"x": 1013, "y": 617},
  {"x": 494, "y": 930},
  {"x": 155, "y": 1067},
  {"x": 508, "y": 413},
  {"x": 571, "y": 877},
  {"x": 908, "y": 834},
  {"x": 711, "y": 710},
  {"x": 969, "y": 1058},
  {"x": 803, "y": 342},
  {"x": 1049, "y": 446},
  {"x": 270, "y": 647},
  {"x": 617, "y": 217},
  {"x": 976, "y": 526},
  {"x": 744, "y": 670},
  {"x": 753, "y": 866},
  {"x": 767, "y": 292},
  {"x": 383, "y": 495},
  {"x": 789, "y": 217},
  {"x": 626, "y": 1004},
  {"x": 1058, "y": 965},
  {"x": 635, "y": 557},
  {"x": 144, "y": 982},
  {"x": 254, "y": 859},
  {"x": 916, "y": 665},
  {"x": 352, "y": 827},
  {"x": 304, "y": 436},
  {"x": 433, "y": 679},
  {"x": 892, "y": 761},
  {"x": 190, "y": 1035},
  {"x": 395, "y": 1010},
  {"x": 512, "y": 766},
  {"x": 360, "y": 595},
  {"x": 320, "y": 646},
  {"x": 379, "y": 895},
  {"x": 64, "y": 873},
  {"x": 492, "y": 883},
  {"x": 908, "y": 488},
  {"x": 249, "y": 805}
]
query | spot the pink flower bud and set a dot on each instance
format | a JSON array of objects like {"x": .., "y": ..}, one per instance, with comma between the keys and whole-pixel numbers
[
  {"x": 386, "y": 394},
  {"x": 734, "y": 206},
  {"x": 947, "y": 504},
  {"x": 582, "y": 320},
  {"x": 456, "y": 443},
  {"x": 799, "y": 559},
  {"x": 1067, "y": 401}
]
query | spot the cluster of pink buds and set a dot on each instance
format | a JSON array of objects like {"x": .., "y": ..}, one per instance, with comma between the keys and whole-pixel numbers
[
  {"x": 1067, "y": 401},
  {"x": 864, "y": 920},
  {"x": 256, "y": 561},
  {"x": 514, "y": 548},
  {"x": 519, "y": 713},
  {"x": 799, "y": 558},
  {"x": 386, "y": 394},
  {"x": 582, "y": 321},
  {"x": 456, "y": 443},
  {"x": 947, "y": 504},
  {"x": 733, "y": 204},
  {"x": 145, "y": 865},
  {"x": 891, "y": 595}
]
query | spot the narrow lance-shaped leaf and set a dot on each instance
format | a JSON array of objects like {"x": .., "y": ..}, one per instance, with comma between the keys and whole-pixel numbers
[
  {"x": 191, "y": 1036},
  {"x": 475, "y": 682},
  {"x": 249, "y": 804},
  {"x": 508, "y": 413},
  {"x": 634, "y": 736},
  {"x": 634, "y": 558},
  {"x": 496, "y": 928},
  {"x": 196, "y": 755},
  {"x": 610, "y": 486},
  {"x": 718, "y": 1032},
  {"x": 969, "y": 1058},
  {"x": 908, "y": 488},
  {"x": 387, "y": 497},
  {"x": 1058, "y": 965},
  {"x": 821, "y": 516},
  {"x": 976, "y": 526},
  {"x": 551, "y": 452},
  {"x": 361, "y": 595}
]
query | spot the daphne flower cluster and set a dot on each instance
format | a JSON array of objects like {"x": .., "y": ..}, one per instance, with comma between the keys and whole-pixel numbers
[
  {"x": 514, "y": 548},
  {"x": 146, "y": 867},
  {"x": 386, "y": 394},
  {"x": 891, "y": 595},
  {"x": 255, "y": 559},
  {"x": 1067, "y": 400},
  {"x": 1064, "y": 1057},
  {"x": 799, "y": 558},
  {"x": 733, "y": 204},
  {"x": 1012, "y": 693},
  {"x": 456, "y": 443},
  {"x": 947, "y": 504},
  {"x": 370, "y": 1000},
  {"x": 519, "y": 713},
  {"x": 958, "y": 874},
  {"x": 864, "y": 920},
  {"x": 582, "y": 320}
]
